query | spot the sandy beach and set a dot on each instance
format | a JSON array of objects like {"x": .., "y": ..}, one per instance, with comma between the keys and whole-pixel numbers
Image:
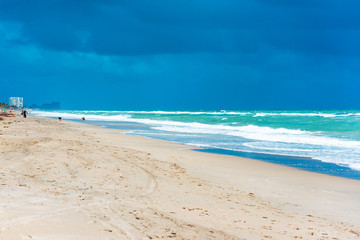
[{"x": 77, "y": 181}]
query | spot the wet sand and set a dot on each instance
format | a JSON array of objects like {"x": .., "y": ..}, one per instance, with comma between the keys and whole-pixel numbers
[{"x": 76, "y": 181}]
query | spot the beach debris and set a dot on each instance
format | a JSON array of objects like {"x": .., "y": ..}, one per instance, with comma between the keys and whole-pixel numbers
[{"x": 251, "y": 194}]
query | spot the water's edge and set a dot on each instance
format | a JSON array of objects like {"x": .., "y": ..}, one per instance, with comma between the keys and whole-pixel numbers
[
  {"x": 307, "y": 164},
  {"x": 303, "y": 163}
]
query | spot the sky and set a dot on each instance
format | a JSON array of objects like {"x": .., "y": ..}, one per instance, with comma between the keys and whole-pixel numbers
[{"x": 181, "y": 54}]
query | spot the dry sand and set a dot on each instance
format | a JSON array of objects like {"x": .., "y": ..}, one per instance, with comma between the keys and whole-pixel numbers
[{"x": 76, "y": 181}]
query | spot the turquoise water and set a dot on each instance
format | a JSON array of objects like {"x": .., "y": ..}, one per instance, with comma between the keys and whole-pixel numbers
[{"x": 325, "y": 136}]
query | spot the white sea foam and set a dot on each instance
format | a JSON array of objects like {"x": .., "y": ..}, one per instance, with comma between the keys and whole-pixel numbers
[
  {"x": 223, "y": 112},
  {"x": 290, "y": 149},
  {"x": 260, "y": 133},
  {"x": 200, "y": 145},
  {"x": 355, "y": 166},
  {"x": 325, "y": 115}
]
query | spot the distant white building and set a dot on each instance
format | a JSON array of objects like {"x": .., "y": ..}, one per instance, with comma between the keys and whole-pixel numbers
[{"x": 16, "y": 102}]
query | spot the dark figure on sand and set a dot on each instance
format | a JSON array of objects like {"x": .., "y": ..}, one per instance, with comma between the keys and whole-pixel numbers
[
  {"x": 25, "y": 114},
  {"x": 83, "y": 118}
]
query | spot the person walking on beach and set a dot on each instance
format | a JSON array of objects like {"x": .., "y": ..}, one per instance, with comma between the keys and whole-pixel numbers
[
  {"x": 24, "y": 114},
  {"x": 59, "y": 119},
  {"x": 83, "y": 118}
]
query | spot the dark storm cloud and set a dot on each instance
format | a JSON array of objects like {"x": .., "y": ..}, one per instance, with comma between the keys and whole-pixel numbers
[{"x": 157, "y": 27}]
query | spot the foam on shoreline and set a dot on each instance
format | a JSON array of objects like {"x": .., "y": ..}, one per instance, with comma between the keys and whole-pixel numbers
[{"x": 339, "y": 147}]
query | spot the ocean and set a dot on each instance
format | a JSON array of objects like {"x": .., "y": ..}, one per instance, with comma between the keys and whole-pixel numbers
[{"x": 319, "y": 141}]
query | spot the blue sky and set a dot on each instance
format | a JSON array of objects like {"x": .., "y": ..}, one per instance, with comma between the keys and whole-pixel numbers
[{"x": 185, "y": 54}]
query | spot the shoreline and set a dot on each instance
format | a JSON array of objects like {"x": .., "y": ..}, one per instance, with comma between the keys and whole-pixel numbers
[
  {"x": 136, "y": 181},
  {"x": 297, "y": 162},
  {"x": 300, "y": 163},
  {"x": 249, "y": 134}
]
